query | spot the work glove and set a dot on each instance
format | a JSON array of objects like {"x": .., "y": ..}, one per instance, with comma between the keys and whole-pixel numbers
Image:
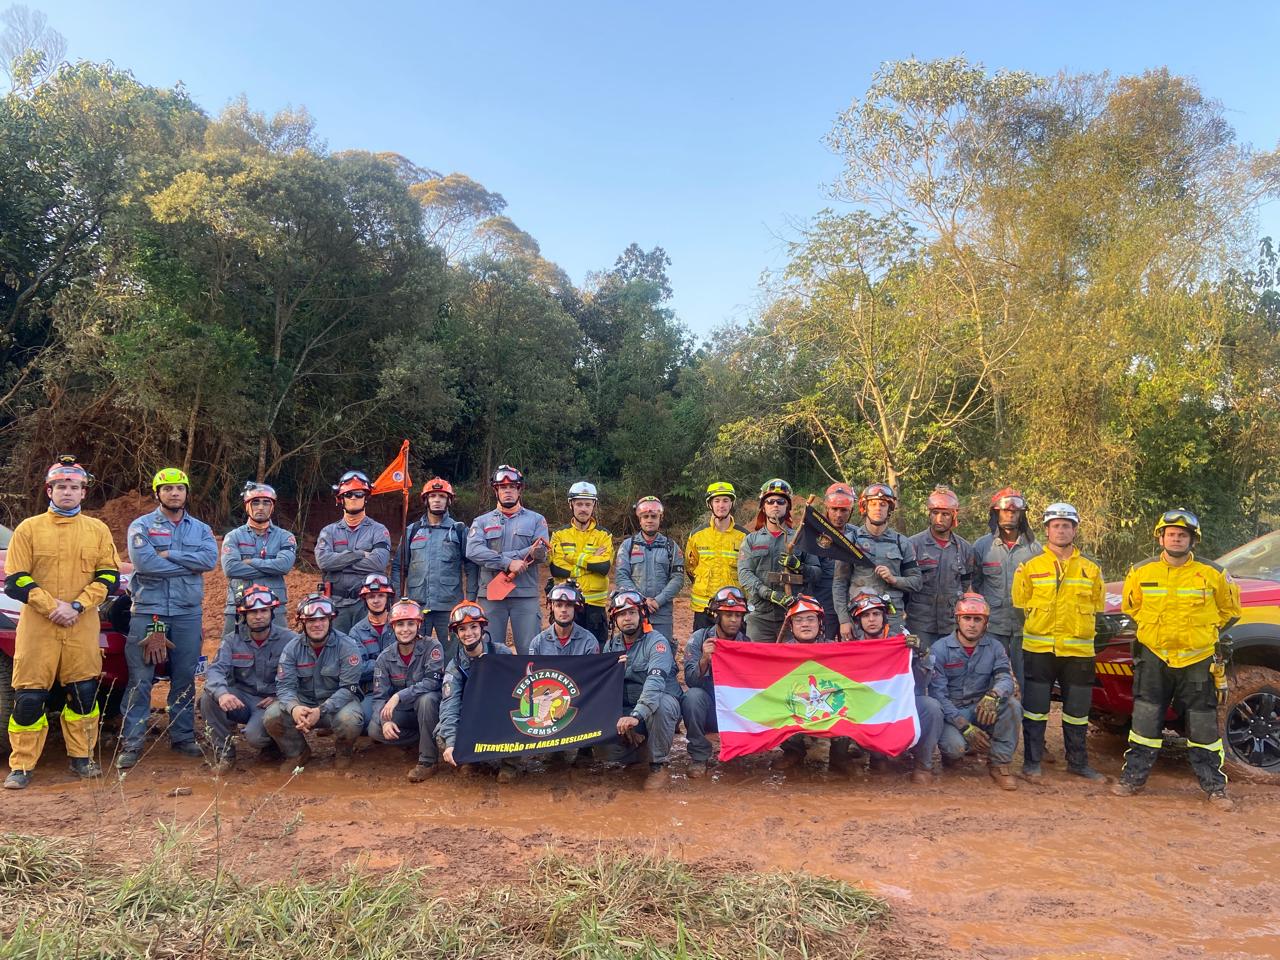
[
  {"x": 789, "y": 562},
  {"x": 912, "y": 641},
  {"x": 977, "y": 737},
  {"x": 988, "y": 707},
  {"x": 781, "y": 599},
  {"x": 156, "y": 644}
]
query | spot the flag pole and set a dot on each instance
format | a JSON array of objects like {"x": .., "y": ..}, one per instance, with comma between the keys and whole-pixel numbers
[{"x": 404, "y": 521}]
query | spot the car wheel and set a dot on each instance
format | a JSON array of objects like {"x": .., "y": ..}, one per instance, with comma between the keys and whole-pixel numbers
[
  {"x": 6, "y": 700},
  {"x": 1251, "y": 725}
]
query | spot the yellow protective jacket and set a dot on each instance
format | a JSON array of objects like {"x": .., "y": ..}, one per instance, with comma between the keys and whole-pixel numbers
[
  {"x": 52, "y": 558},
  {"x": 711, "y": 561},
  {"x": 1060, "y": 600},
  {"x": 1179, "y": 610},
  {"x": 584, "y": 556}
]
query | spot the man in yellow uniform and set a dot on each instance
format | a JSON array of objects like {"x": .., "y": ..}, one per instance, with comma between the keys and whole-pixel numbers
[
  {"x": 1179, "y": 603},
  {"x": 711, "y": 554},
  {"x": 1061, "y": 591},
  {"x": 583, "y": 552},
  {"x": 61, "y": 564}
]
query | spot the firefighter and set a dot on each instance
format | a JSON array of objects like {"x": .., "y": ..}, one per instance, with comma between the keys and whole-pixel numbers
[
  {"x": 1060, "y": 592},
  {"x": 170, "y": 551},
  {"x": 259, "y": 552},
  {"x": 973, "y": 683},
  {"x": 350, "y": 549},
  {"x": 895, "y": 572},
  {"x": 711, "y": 553},
  {"x": 764, "y": 555},
  {"x": 61, "y": 565},
  {"x": 406, "y": 690},
  {"x": 1180, "y": 603},
  {"x": 565, "y": 636},
  {"x": 1009, "y": 544},
  {"x": 240, "y": 683},
  {"x": 803, "y": 624},
  {"x": 512, "y": 540},
  {"x": 583, "y": 552},
  {"x": 468, "y": 623},
  {"x": 837, "y": 504},
  {"x": 652, "y": 564},
  {"x": 373, "y": 633},
  {"x": 436, "y": 572},
  {"x": 698, "y": 705},
  {"x": 946, "y": 569}
]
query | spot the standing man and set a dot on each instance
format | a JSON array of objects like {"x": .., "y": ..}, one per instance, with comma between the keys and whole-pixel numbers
[
  {"x": 350, "y": 549},
  {"x": 711, "y": 554},
  {"x": 946, "y": 569},
  {"x": 241, "y": 682},
  {"x": 583, "y": 552},
  {"x": 1060, "y": 592},
  {"x": 896, "y": 572},
  {"x": 258, "y": 552},
  {"x": 438, "y": 574},
  {"x": 406, "y": 690},
  {"x": 510, "y": 541},
  {"x": 652, "y": 564},
  {"x": 1180, "y": 604},
  {"x": 838, "y": 505},
  {"x": 468, "y": 622},
  {"x": 996, "y": 556},
  {"x": 698, "y": 706},
  {"x": 763, "y": 556},
  {"x": 565, "y": 637},
  {"x": 60, "y": 564},
  {"x": 171, "y": 551}
]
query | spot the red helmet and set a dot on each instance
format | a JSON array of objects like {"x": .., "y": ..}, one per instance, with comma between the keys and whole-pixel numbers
[
  {"x": 507, "y": 474},
  {"x": 973, "y": 604},
  {"x": 468, "y": 611},
  {"x": 877, "y": 491},
  {"x": 350, "y": 482},
  {"x": 727, "y": 600},
  {"x": 405, "y": 609},
  {"x": 804, "y": 604},
  {"x": 943, "y": 498},
  {"x": 839, "y": 495},
  {"x": 621, "y": 600},
  {"x": 256, "y": 597},
  {"x": 67, "y": 469},
  {"x": 866, "y": 600},
  {"x": 376, "y": 583},
  {"x": 1009, "y": 498},
  {"x": 316, "y": 606},
  {"x": 255, "y": 491},
  {"x": 437, "y": 485}
]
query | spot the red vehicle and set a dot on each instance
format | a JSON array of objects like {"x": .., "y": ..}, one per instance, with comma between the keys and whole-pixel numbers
[{"x": 1250, "y": 716}]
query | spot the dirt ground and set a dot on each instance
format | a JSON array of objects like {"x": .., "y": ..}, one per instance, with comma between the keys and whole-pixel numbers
[{"x": 1059, "y": 870}]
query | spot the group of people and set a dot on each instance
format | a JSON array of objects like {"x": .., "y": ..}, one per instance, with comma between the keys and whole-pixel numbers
[{"x": 994, "y": 624}]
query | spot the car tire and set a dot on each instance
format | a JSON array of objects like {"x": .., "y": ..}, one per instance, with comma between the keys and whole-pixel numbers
[
  {"x": 6, "y": 700},
  {"x": 1250, "y": 723}
]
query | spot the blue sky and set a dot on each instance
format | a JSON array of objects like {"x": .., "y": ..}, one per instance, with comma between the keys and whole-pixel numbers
[{"x": 693, "y": 126}]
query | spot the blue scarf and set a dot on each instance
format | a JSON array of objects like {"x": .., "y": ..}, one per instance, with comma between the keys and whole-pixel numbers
[{"x": 63, "y": 513}]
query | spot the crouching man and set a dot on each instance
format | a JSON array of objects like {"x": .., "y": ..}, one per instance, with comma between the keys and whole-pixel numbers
[
  {"x": 317, "y": 686},
  {"x": 406, "y": 689},
  {"x": 728, "y": 608},
  {"x": 973, "y": 683}
]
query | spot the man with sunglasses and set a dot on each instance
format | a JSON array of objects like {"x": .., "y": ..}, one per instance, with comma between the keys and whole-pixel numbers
[
  {"x": 258, "y": 552},
  {"x": 1180, "y": 603},
  {"x": 997, "y": 556},
  {"x": 350, "y": 549},
  {"x": 652, "y": 564}
]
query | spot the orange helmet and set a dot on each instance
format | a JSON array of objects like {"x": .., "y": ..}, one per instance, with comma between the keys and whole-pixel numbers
[
  {"x": 877, "y": 491},
  {"x": 468, "y": 611},
  {"x": 67, "y": 469},
  {"x": 376, "y": 583},
  {"x": 1009, "y": 498},
  {"x": 839, "y": 495},
  {"x": 727, "y": 600},
  {"x": 405, "y": 609},
  {"x": 943, "y": 498},
  {"x": 351, "y": 482},
  {"x": 866, "y": 600},
  {"x": 437, "y": 485},
  {"x": 804, "y": 604},
  {"x": 973, "y": 604},
  {"x": 256, "y": 597}
]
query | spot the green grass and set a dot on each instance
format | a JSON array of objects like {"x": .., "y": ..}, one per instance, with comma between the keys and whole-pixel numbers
[{"x": 55, "y": 904}]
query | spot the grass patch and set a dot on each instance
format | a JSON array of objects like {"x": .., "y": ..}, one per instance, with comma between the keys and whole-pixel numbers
[{"x": 56, "y": 905}]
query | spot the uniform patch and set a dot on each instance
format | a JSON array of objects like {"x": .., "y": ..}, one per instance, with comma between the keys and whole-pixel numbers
[
  {"x": 353, "y": 660},
  {"x": 139, "y": 539},
  {"x": 435, "y": 653},
  {"x": 660, "y": 648}
]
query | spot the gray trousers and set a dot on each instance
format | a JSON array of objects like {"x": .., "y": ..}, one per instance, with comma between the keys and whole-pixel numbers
[
  {"x": 524, "y": 614},
  {"x": 417, "y": 722},
  {"x": 1012, "y": 644},
  {"x": 659, "y": 732},
  {"x": 663, "y": 621},
  {"x": 346, "y": 727},
  {"x": 1004, "y": 733},
  {"x": 350, "y": 615},
  {"x": 931, "y": 726},
  {"x": 762, "y": 628},
  {"x": 223, "y": 724},
  {"x": 698, "y": 707}
]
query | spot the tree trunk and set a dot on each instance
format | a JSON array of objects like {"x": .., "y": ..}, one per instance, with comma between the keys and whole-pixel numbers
[{"x": 191, "y": 430}]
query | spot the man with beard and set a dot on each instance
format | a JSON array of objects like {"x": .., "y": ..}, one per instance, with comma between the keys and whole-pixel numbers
[
  {"x": 946, "y": 569},
  {"x": 652, "y": 564},
  {"x": 698, "y": 706},
  {"x": 997, "y": 555},
  {"x": 837, "y": 505},
  {"x": 711, "y": 554},
  {"x": 763, "y": 553},
  {"x": 350, "y": 549},
  {"x": 257, "y": 553},
  {"x": 895, "y": 573},
  {"x": 406, "y": 690},
  {"x": 583, "y": 552}
]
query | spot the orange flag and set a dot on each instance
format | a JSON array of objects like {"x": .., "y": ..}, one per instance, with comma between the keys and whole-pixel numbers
[{"x": 396, "y": 476}]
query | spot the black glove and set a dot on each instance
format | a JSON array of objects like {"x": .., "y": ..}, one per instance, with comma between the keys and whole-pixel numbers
[
  {"x": 783, "y": 600},
  {"x": 789, "y": 562}
]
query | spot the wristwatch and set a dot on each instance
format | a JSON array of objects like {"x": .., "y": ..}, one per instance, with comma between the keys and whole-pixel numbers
[{"x": 77, "y": 606}]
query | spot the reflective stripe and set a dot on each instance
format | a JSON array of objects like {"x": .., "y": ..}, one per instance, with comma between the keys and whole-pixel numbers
[
  {"x": 1077, "y": 721},
  {"x": 24, "y": 580},
  {"x": 1145, "y": 741},
  {"x": 16, "y": 727},
  {"x": 1154, "y": 591},
  {"x": 1028, "y": 715},
  {"x": 69, "y": 714},
  {"x": 1216, "y": 746}
]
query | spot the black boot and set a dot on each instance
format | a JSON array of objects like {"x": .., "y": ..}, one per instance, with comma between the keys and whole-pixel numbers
[
  {"x": 1138, "y": 761},
  {"x": 1073, "y": 740},
  {"x": 1032, "y": 749}
]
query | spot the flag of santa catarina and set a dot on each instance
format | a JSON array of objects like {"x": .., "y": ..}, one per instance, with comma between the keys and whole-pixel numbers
[{"x": 767, "y": 692}]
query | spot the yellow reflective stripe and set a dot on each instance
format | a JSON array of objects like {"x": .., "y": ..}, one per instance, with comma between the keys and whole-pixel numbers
[
  {"x": 1077, "y": 582},
  {"x": 1076, "y": 721},
  {"x": 1145, "y": 741},
  {"x": 1216, "y": 746},
  {"x": 69, "y": 714},
  {"x": 24, "y": 581},
  {"x": 1035, "y": 637},
  {"x": 1028, "y": 715},
  {"x": 16, "y": 727},
  {"x": 1155, "y": 591}
]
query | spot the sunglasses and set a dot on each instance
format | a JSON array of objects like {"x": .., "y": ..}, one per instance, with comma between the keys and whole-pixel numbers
[{"x": 354, "y": 495}]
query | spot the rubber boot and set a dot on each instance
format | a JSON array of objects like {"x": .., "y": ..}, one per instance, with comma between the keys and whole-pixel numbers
[
  {"x": 1073, "y": 740},
  {"x": 1138, "y": 761},
  {"x": 1032, "y": 749},
  {"x": 86, "y": 768}
]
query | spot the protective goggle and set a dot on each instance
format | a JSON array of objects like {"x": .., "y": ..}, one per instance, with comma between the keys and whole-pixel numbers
[
  {"x": 471, "y": 611},
  {"x": 625, "y": 599},
  {"x": 316, "y": 610},
  {"x": 652, "y": 503},
  {"x": 354, "y": 475},
  {"x": 261, "y": 599},
  {"x": 1179, "y": 518},
  {"x": 563, "y": 592},
  {"x": 507, "y": 474},
  {"x": 1011, "y": 503}
]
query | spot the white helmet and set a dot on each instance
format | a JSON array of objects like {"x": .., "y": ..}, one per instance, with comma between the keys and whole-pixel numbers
[
  {"x": 582, "y": 490},
  {"x": 1061, "y": 511}
]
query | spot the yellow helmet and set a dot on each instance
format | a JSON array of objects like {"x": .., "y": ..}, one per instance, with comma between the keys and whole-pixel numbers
[
  {"x": 169, "y": 476},
  {"x": 721, "y": 489}
]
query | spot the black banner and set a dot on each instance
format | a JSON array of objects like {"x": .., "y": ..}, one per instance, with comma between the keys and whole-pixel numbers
[
  {"x": 818, "y": 536},
  {"x": 515, "y": 706}
]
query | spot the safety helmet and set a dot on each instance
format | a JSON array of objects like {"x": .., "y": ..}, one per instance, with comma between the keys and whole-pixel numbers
[
  {"x": 839, "y": 495},
  {"x": 350, "y": 482},
  {"x": 1178, "y": 517},
  {"x": 376, "y": 583},
  {"x": 1060, "y": 511},
  {"x": 877, "y": 491},
  {"x": 582, "y": 490},
  {"x": 727, "y": 600},
  {"x": 257, "y": 596},
  {"x": 405, "y": 609},
  {"x": 942, "y": 498},
  {"x": 467, "y": 611},
  {"x": 974, "y": 605},
  {"x": 437, "y": 485},
  {"x": 866, "y": 600},
  {"x": 66, "y": 468},
  {"x": 776, "y": 485},
  {"x": 507, "y": 474},
  {"x": 719, "y": 488},
  {"x": 649, "y": 504},
  {"x": 1009, "y": 498},
  {"x": 316, "y": 606},
  {"x": 254, "y": 491},
  {"x": 169, "y": 477},
  {"x": 566, "y": 591},
  {"x": 621, "y": 600},
  {"x": 804, "y": 604}
]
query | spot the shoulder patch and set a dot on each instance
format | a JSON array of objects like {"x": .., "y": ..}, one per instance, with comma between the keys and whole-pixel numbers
[
  {"x": 435, "y": 653},
  {"x": 139, "y": 539},
  {"x": 660, "y": 647},
  {"x": 353, "y": 660}
]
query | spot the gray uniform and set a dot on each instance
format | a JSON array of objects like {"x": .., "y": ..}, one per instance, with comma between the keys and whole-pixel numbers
[
  {"x": 757, "y": 558},
  {"x": 650, "y": 693},
  {"x": 581, "y": 643},
  {"x": 346, "y": 557},
  {"x": 438, "y": 573},
  {"x": 494, "y": 542},
  {"x": 329, "y": 679},
  {"x": 960, "y": 680},
  {"x": 417, "y": 683},
  {"x": 653, "y": 568},
  {"x": 247, "y": 670},
  {"x": 994, "y": 566},
  {"x": 946, "y": 572},
  {"x": 698, "y": 705},
  {"x": 454, "y": 685},
  {"x": 894, "y": 551},
  {"x": 249, "y": 557}
]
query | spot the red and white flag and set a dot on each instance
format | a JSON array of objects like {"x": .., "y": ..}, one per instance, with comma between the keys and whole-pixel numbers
[{"x": 768, "y": 692}]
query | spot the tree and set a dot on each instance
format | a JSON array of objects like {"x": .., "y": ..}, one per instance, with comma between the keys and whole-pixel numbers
[{"x": 30, "y": 49}]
